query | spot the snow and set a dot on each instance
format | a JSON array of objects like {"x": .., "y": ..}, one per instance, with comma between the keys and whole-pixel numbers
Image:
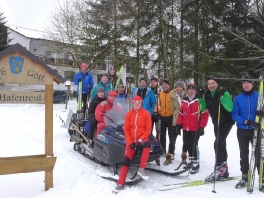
[{"x": 22, "y": 133}]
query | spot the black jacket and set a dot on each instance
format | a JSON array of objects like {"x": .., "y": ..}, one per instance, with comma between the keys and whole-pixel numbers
[
  {"x": 93, "y": 104},
  {"x": 212, "y": 103}
]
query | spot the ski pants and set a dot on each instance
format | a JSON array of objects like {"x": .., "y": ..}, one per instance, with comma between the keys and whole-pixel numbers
[
  {"x": 220, "y": 143},
  {"x": 190, "y": 144},
  {"x": 166, "y": 122},
  {"x": 92, "y": 127},
  {"x": 129, "y": 153},
  {"x": 245, "y": 137}
]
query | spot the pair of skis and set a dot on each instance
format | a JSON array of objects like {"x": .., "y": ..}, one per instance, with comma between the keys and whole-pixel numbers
[{"x": 257, "y": 152}]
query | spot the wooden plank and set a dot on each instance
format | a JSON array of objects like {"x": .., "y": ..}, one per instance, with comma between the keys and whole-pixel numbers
[
  {"x": 26, "y": 164},
  {"x": 9, "y": 97},
  {"x": 49, "y": 120},
  {"x": 19, "y": 69},
  {"x": 48, "y": 179}
]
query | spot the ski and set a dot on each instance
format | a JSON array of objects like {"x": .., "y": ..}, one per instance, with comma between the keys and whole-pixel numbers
[
  {"x": 261, "y": 146},
  {"x": 119, "y": 76},
  {"x": 79, "y": 104},
  {"x": 256, "y": 143},
  {"x": 193, "y": 183},
  {"x": 127, "y": 182},
  {"x": 175, "y": 173}
]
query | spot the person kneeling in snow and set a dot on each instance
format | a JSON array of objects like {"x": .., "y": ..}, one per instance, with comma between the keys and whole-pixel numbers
[{"x": 137, "y": 128}]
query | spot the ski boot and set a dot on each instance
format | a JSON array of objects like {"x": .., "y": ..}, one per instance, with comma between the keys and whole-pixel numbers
[
  {"x": 195, "y": 167},
  {"x": 118, "y": 188},
  {"x": 141, "y": 172},
  {"x": 168, "y": 160},
  {"x": 216, "y": 175},
  {"x": 90, "y": 143},
  {"x": 225, "y": 169},
  {"x": 242, "y": 182}
]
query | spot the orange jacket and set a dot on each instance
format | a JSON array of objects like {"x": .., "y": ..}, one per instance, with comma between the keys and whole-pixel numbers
[
  {"x": 164, "y": 104},
  {"x": 137, "y": 125}
]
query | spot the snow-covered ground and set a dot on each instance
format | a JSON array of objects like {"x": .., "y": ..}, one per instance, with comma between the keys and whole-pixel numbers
[{"x": 22, "y": 133}]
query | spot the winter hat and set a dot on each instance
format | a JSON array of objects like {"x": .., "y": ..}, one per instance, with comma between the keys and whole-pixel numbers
[
  {"x": 212, "y": 78},
  {"x": 104, "y": 74},
  {"x": 136, "y": 97},
  {"x": 120, "y": 85},
  {"x": 84, "y": 66},
  {"x": 112, "y": 93},
  {"x": 247, "y": 78},
  {"x": 112, "y": 67},
  {"x": 191, "y": 86},
  {"x": 154, "y": 78},
  {"x": 180, "y": 84},
  {"x": 142, "y": 78},
  {"x": 164, "y": 81},
  {"x": 101, "y": 90}
]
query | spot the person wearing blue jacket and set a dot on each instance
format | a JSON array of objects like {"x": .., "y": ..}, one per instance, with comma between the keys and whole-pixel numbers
[
  {"x": 87, "y": 83},
  {"x": 244, "y": 113},
  {"x": 103, "y": 83},
  {"x": 149, "y": 99}
]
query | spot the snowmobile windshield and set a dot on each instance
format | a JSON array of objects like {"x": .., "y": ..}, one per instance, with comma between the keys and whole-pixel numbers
[{"x": 116, "y": 116}]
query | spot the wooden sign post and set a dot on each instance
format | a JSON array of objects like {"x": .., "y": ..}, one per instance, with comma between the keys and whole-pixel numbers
[{"x": 19, "y": 66}]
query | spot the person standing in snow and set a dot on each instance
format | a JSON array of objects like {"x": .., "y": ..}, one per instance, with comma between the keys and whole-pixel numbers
[
  {"x": 166, "y": 117},
  {"x": 112, "y": 77},
  {"x": 103, "y": 83},
  {"x": 214, "y": 98},
  {"x": 193, "y": 118},
  {"x": 137, "y": 128},
  {"x": 87, "y": 83},
  {"x": 244, "y": 113},
  {"x": 148, "y": 96},
  {"x": 176, "y": 97}
]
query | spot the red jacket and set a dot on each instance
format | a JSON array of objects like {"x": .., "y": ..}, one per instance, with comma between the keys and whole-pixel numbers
[
  {"x": 190, "y": 114},
  {"x": 99, "y": 113},
  {"x": 137, "y": 125}
]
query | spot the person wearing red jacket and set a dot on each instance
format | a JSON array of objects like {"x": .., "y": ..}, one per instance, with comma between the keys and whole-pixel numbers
[
  {"x": 102, "y": 108},
  {"x": 137, "y": 128},
  {"x": 192, "y": 119}
]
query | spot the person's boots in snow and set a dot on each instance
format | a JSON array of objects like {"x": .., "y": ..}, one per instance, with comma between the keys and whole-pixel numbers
[
  {"x": 242, "y": 182},
  {"x": 168, "y": 160},
  {"x": 141, "y": 172},
  {"x": 217, "y": 174}
]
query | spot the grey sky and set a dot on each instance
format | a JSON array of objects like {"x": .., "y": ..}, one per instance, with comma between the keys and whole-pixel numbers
[{"x": 29, "y": 14}]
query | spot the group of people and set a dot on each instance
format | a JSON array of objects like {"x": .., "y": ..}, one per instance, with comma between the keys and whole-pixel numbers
[{"x": 181, "y": 108}]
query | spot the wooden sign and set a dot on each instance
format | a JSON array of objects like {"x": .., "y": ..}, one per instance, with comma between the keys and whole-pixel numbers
[
  {"x": 7, "y": 97},
  {"x": 18, "y": 69}
]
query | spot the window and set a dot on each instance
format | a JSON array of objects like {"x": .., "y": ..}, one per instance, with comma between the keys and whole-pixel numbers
[{"x": 48, "y": 53}]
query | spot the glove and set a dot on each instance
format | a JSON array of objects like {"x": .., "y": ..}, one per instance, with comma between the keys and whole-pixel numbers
[
  {"x": 155, "y": 117},
  {"x": 260, "y": 113},
  {"x": 79, "y": 80},
  {"x": 133, "y": 146},
  {"x": 178, "y": 129},
  {"x": 253, "y": 124},
  {"x": 200, "y": 131}
]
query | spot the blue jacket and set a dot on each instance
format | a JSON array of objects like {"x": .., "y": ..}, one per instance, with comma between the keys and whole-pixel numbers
[
  {"x": 149, "y": 101},
  {"x": 87, "y": 81},
  {"x": 108, "y": 87},
  {"x": 245, "y": 107}
]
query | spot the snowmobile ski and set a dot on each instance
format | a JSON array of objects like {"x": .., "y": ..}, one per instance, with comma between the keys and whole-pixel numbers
[
  {"x": 128, "y": 182},
  {"x": 175, "y": 173},
  {"x": 194, "y": 183}
]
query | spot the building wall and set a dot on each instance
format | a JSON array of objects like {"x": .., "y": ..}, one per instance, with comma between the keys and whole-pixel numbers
[{"x": 18, "y": 38}]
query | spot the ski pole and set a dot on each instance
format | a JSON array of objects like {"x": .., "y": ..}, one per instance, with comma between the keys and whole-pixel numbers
[{"x": 217, "y": 137}]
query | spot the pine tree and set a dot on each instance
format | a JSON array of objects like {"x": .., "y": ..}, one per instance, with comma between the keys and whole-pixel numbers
[{"x": 3, "y": 33}]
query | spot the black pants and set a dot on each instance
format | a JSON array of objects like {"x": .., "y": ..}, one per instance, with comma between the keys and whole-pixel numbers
[
  {"x": 166, "y": 123},
  {"x": 220, "y": 143},
  {"x": 245, "y": 137},
  {"x": 84, "y": 101},
  {"x": 92, "y": 127},
  {"x": 190, "y": 144}
]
